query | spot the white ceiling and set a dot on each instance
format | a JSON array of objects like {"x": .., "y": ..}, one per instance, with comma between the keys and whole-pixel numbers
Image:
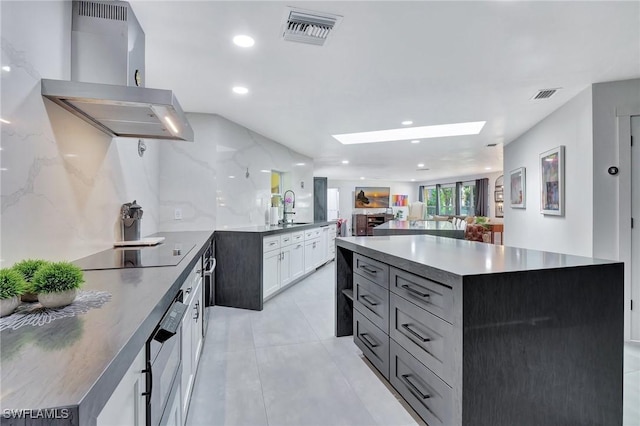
[{"x": 388, "y": 61}]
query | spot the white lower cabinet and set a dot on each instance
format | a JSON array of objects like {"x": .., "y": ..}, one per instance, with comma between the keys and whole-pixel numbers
[
  {"x": 270, "y": 273},
  {"x": 297, "y": 260},
  {"x": 311, "y": 255},
  {"x": 191, "y": 340},
  {"x": 173, "y": 415},
  {"x": 127, "y": 405},
  {"x": 285, "y": 266}
]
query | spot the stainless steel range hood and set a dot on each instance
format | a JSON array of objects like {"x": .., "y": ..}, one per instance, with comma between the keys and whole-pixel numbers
[{"x": 107, "y": 77}]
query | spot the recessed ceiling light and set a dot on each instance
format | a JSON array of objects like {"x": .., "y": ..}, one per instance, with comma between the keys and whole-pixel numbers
[
  {"x": 415, "y": 141},
  {"x": 299, "y": 164},
  {"x": 71, "y": 155},
  {"x": 361, "y": 177},
  {"x": 407, "y": 123},
  {"x": 2, "y": 120},
  {"x": 487, "y": 168},
  {"x": 243, "y": 40},
  {"x": 265, "y": 171},
  {"x": 421, "y": 165},
  {"x": 240, "y": 90},
  {"x": 6, "y": 68},
  {"x": 413, "y": 180},
  {"x": 345, "y": 161},
  {"x": 402, "y": 134},
  {"x": 232, "y": 177}
]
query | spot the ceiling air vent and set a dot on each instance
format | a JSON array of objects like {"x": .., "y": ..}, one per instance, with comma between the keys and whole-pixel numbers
[
  {"x": 304, "y": 26},
  {"x": 544, "y": 94}
]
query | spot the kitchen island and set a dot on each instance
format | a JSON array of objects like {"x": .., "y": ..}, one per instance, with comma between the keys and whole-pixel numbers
[
  {"x": 477, "y": 334},
  {"x": 440, "y": 228},
  {"x": 69, "y": 368},
  {"x": 255, "y": 263}
]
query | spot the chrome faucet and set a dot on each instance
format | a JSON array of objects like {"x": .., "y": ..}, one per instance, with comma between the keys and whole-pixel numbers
[{"x": 293, "y": 206}]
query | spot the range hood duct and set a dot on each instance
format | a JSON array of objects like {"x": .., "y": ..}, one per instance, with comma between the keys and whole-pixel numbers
[{"x": 107, "y": 77}]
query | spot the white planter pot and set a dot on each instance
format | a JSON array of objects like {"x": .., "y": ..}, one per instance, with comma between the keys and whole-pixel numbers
[
  {"x": 57, "y": 300},
  {"x": 7, "y": 306}
]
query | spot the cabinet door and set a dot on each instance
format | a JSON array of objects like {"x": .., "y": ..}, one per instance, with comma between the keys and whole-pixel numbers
[
  {"x": 270, "y": 273},
  {"x": 127, "y": 405},
  {"x": 187, "y": 370},
  {"x": 197, "y": 311},
  {"x": 173, "y": 413},
  {"x": 323, "y": 247},
  {"x": 297, "y": 261},
  {"x": 285, "y": 266},
  {"x": 309, "y": 255}
]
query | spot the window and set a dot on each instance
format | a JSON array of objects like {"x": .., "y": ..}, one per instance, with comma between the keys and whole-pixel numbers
[
  {"x": 447, "y": 199},
  {"x": 467, "y": 200},
  {"x": 430, "y": 197}
]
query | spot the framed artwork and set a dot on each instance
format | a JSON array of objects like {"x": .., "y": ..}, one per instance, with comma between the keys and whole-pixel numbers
[
  {"x": 552, "y": 182},
  {"x": 371, "y": 197},
  {"x": 399, "y": 200},
  {"x": 518, "y": 188},
  {"x": 499, "y": 210}
]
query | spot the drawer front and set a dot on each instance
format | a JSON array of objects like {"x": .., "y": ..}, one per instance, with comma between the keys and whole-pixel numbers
[
  {"x": 312, "y": 233},
  {"x": 429, "y": 396},
  {"x": 286, "y": 240},
  {"x": 377, "y": 272},
  {"x": 333, "y": 229},
  {"x": 372, "y": 301},
  {"x": 427, "y": 337},
  {"x": 270, "y": 243},
  {"x": 297, "y": 237},
  {"x": 372, "y": 341},
  {"x": 430, "y": 295}
]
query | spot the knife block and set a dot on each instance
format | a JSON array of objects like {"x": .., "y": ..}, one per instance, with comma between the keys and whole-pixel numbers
[{"x": 130, "y": 229}]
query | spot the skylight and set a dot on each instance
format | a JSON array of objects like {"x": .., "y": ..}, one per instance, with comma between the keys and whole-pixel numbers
[{"x": 407, "y": 133}]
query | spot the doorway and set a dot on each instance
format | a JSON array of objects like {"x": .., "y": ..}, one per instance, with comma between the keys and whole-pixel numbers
[
  {"x": 635, "y": 230},
  {"x": 333, "y": 204}
]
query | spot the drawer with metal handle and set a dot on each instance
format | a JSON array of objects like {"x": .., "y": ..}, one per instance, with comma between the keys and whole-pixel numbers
[
  {"x": 270, "y": 243},
  {"x": 430, "y": 295},
  {"x": 372, "y": 301},
  {"x": 374, "y": 270},
  {"x": 425, "y": 336},
  {"x": 373, "y": 342},
  {"x": 424, "y": 391}
]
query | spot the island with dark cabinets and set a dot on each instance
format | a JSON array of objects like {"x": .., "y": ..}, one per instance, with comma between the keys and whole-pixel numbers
[{"x": 478, "y": 334}]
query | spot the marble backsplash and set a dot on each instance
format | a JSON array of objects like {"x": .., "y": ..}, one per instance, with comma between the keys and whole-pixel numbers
[
  {"x": 62, "y": 180},
  {"x": 208, "y": 182}
]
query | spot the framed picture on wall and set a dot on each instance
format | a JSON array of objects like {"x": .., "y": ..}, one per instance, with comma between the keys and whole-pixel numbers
[
  {"x": 518, "y": 188},
  {"x": 552, "y": 182}
]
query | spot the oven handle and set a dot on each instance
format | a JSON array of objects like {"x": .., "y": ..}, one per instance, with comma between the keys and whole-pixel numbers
[
  {"x": 209, "y": 272},
  {"x": 149, "y": 374}
]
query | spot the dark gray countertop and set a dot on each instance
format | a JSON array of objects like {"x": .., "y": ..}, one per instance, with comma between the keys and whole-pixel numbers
[
  {"x": 77, "y": 362},
  {"x": 459, "y": 257},
  {"x": 277, "y": 229},
  {"x": 418, "y": 225}
]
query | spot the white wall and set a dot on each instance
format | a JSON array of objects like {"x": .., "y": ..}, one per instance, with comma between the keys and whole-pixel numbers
[
  {"x": 347, "y": 195},
  {"x": 492, "y": 185},
  {"x": 64, "y": 181},
  {"x": 207, "y": 179},
  {"x": 610, "y": 99},
  {"x": 571, "y": 126}
]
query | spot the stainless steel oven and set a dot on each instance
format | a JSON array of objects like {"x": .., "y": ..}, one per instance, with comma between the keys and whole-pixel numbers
[
  {"x": 208, "y": 267},
  {"x": 164, "y": 364}
]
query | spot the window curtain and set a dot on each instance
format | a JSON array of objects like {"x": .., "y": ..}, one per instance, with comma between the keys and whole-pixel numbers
[
  {"x": 421, "y": 193},
  {"x": 438, "y": 199},
  {"x": 482, "y": 197},
  {"x": 458, "y": 198}
]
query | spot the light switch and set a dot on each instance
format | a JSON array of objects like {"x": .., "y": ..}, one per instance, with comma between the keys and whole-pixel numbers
[{"x": 177, "y": 214}]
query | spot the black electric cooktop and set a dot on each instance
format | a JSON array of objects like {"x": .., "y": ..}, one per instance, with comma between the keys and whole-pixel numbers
[{"x": 164, "y": 254}]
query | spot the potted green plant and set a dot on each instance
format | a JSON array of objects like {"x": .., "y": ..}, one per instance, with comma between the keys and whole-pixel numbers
[
  {"x": 12, "y": 285},
  {"x": 28, "y": 268},
  {"x": 56, "y": 283}
]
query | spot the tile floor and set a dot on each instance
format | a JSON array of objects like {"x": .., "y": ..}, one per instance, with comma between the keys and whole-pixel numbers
[{"x": 283, "y": 366}]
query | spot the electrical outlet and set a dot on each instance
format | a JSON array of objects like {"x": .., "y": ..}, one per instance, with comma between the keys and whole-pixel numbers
[{"x": 177, "y": 214}]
